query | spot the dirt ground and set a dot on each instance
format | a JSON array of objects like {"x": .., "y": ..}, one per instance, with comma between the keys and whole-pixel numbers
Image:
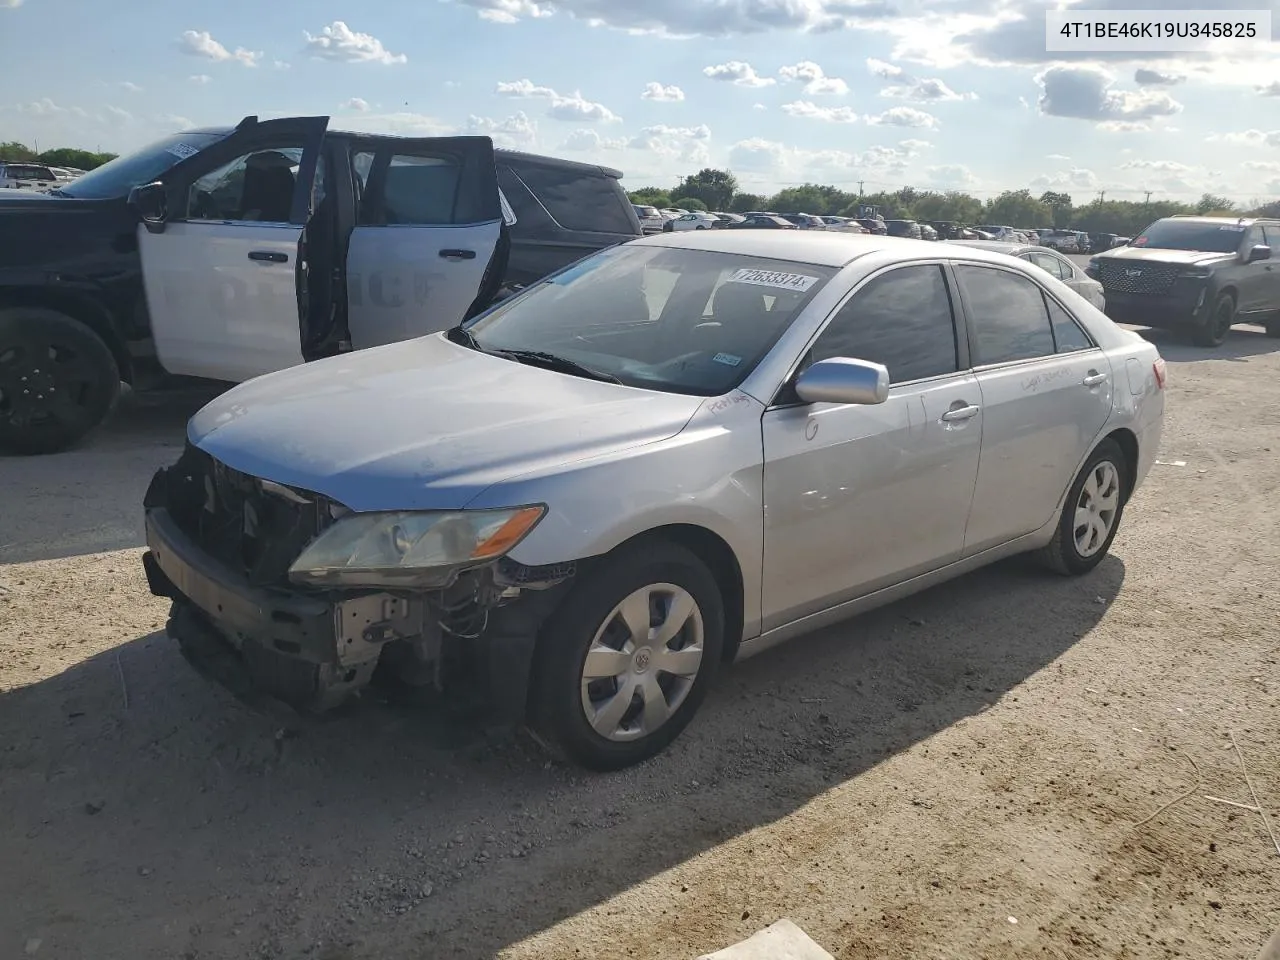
[{"x": 1011, "y": 765}]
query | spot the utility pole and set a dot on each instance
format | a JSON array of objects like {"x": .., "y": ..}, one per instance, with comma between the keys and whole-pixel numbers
[
  {"x": 1102, "y": 195},
  {"x": 1147, "y": 201},
  {"x": 860, "y": 183}
]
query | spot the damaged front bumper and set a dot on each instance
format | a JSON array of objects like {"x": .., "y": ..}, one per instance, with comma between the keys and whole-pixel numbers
[{"x": 316, "y": 649}]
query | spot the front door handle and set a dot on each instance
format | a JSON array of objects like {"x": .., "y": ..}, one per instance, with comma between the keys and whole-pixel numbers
[
  {"x": 961, "y": 413},
  {"x": 458, "y": 254},
  {"x": 268, "y": 256},
  {"x": 1093, "y": 379}
]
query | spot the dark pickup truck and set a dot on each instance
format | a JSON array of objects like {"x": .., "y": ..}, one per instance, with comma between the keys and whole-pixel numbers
[
  {"x": 1197, "y": 275},
  {"x": 228, "y": 253}
]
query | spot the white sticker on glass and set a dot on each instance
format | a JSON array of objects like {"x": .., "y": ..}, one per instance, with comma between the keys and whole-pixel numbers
[
  {"x": 182, "y": 150},
  {"x": 772, "y": 278},
  {"x": 728, "y": 359}
]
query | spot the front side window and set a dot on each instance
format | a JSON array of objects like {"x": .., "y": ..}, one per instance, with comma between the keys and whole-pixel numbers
[
  {"x": 1006, "y": 314},
  {"x": 901, "y": 319},
  {"x": 680, "y": 321},
  {"x": 256, "y": 187}
]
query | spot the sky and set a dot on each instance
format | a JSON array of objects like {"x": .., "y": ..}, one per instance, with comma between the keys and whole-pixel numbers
[{"x": 934, "y": 94}]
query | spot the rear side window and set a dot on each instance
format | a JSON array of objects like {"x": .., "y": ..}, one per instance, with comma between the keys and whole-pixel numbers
[
  {"x": 26, "y": 172},
  {"x": 420, "y": 190},
  {"x": 576, "y": 199},
  {"x": 1051, "y": 265},
  {"x": 901, "y": 319},
  {"x": 1007, "y": 315},
  {"x": 1067, "y": 335}
]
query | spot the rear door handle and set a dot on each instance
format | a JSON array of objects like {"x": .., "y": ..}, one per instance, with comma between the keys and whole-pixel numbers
[
  {"x": 961, "y": 413},
  {"x": 268, "y": 256},
  {"x": 1093, "y": 379},
  {"x": 458, "y": 254}
]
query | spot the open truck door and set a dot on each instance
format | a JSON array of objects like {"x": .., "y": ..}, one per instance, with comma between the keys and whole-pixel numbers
[
  {"x": 429, "y": 245},
  {"x": 223, "y": 260}
]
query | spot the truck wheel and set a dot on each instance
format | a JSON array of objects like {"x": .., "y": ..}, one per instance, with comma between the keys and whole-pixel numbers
[
  {"x": 1214, "y": 333},
  {"x": 1273, "y": 328},
  {"x": 58, "y": 380},
  {"x": 627, "y": 658}
]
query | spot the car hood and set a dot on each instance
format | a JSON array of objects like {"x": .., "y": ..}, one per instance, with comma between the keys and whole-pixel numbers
[
  {"x": 424, "y": 424},
  {"x": 1155, "y": 255}
]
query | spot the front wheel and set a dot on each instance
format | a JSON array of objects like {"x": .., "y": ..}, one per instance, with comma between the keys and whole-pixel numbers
[
  {"x": 58, "y": 380},
  {"x": 628, "y": 657},
  {"x": 1214, "y": 333},
  {"x": 1091, "y": 514}
]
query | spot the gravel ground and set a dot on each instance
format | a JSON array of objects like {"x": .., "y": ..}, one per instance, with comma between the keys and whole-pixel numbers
[{"x": 1008, "y": 765}]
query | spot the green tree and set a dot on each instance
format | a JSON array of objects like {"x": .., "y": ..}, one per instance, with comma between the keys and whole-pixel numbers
[
  {"x": 746, "y": 202},
  {"x": 953, "y": 206},
  {"x": 1271, "y": 210},
  {"x": 651, "y": 197},
  {"x": 71, "y": 157},
  {"x": 1208, "y": 203},
  {"x": 1060, "y": 204},
  {"x": 688, "y": 203},
  {"x": 13, "y": 150},
  {"x": 1017, "y": 208},
  {"x": 715, "y": 188}
]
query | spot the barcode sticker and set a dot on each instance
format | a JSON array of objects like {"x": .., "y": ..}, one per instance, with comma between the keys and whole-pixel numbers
[{"x": 772, "y": 278}]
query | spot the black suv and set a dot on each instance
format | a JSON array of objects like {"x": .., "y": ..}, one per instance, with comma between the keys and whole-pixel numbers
[
  {"x": 1198, "y": 275},
  {"x": 227, "y": 253}
]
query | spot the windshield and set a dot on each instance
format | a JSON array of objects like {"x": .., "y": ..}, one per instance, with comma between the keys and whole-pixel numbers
[
  {"x": 676, "y": 320},
  {"x": 1191, "y": 235},
  {"x": 118, "y": 177}
]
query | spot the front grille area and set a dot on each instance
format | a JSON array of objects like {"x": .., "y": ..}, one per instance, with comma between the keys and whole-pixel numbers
[
  {"x": 1135, "y": 276},
  {"x": 232, "y": 517}
]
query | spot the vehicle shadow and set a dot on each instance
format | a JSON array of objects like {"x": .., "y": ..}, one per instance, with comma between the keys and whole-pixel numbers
[
  {"x": 149, "y": 813},
  {"x": 1242, "y": 343},
  {"x": 89, "y": 499}
]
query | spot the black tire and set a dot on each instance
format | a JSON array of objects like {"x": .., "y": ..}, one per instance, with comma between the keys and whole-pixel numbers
[
  {"x": 1214, "y": 333},
  {"x": 1062, "y": 554},
  {"x": 58, "y": 380},
  {"x": 1273, "y": 328},
  {"x": 558, "y": 713}
]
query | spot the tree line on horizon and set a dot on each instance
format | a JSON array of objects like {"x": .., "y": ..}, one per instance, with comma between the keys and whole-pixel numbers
[
  {"x": 711, "y": 189},
  {"x": 16, "y": 152}
]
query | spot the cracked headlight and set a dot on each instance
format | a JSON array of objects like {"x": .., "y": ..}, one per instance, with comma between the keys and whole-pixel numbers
[{"x": 410, "y": 549}]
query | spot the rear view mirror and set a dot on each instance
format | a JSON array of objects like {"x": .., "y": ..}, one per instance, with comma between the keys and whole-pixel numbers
[
  {"x": 1258, "y": 252},
  {"x": 844, "y": 380},
  {"x": 151, "y": 204}
]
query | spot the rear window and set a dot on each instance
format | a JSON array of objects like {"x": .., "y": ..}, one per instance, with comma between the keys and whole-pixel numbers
[
  {"x": 578, "y": 200},
  {"x": 22, "y": 171}
]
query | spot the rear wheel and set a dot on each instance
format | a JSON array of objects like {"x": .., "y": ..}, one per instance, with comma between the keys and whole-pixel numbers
[
  {"x": 629, "y": 656},
  {"x": 1091, "y": 514},
  {"x": 1214, "y": 333},
  {"x": 58, "y": 380},
  {"x": 1273, "y": 327}
]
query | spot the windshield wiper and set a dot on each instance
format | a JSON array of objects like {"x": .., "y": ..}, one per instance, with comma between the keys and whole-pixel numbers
[
  {"x": 58, "y": 192},
  {"x": 561, "y": 364}
]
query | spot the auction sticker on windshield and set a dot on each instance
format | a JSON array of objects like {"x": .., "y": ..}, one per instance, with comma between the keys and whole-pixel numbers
[
  {"x": 772, "y": 278},
  {"x": 182, "y": 150}
]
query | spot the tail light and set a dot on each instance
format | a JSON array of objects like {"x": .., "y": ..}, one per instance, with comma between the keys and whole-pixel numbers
[{"x": 1159, "y": 370}]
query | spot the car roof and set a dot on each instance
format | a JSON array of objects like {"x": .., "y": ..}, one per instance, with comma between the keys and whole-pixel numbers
[
  {"x": 1234, "y": 221},
  {"x": 802, "y": 246},
  {"x": 1002, "y": 246}
]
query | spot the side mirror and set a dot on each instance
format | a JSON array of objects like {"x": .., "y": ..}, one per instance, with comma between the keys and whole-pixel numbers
[
  {"x": 842, "y": 380},
  {"x": 1258, "y": 251},
  {"x": 150, "y": 202}
]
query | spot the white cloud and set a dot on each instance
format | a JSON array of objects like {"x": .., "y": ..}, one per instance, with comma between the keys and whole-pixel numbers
[
  {"x": 759, "y": 156},
  {"x": 1057, "y": 156},
  {"x": 1252, "y": 138},
  {"x": 339, "y": 42},
  {"x": 1124, "y": 126},
  {"x": 1269, "y": 166},
  {"x": 1086, "y": 93},
  {"x": 1271, "y": 89},
  {"x": 805, "y": 108},
  {"x": 358, "y": 104},
  {"x": 669, "y": 93},
  {"x": 905, "y": 117},
  {"x": 687, "y": 144},
  {"x": 758, "y": 106},
  {"x": 928, "y": 90},
  {"x": 1156, "y": 166},
  {"x": 120, "y": 114},
  {"x": 1076, "y": 177},
  {"x": 589, "y": 141},
  {"x": 572, "y": 107},
  {"x": 689, "y": 18},
  {"x": 739, "y": 73},
  {"x": 201, "y": 79},
  {"x": 10, "y": 4},
  {"x": 757, "y": 153},
  {"x": 200, "y": 43},
  {"x": 951, "y": 175},
  {"x": 401, "y": 123},
  {"x": 883, "y": 70},
  {"x": 174, "y": 121},
  {"x": 281, "y": 65},
  {"x": 130, "y": 86},
  {"x": 516, "y": 131},
  {"x": 1146, "y": 77},
  {"x": 815, "y": 80}
]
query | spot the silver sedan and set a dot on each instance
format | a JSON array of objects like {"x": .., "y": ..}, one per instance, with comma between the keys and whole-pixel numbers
[
  {"x": 1050, "y": 261},
  {"x": 676, "y": 453}
]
